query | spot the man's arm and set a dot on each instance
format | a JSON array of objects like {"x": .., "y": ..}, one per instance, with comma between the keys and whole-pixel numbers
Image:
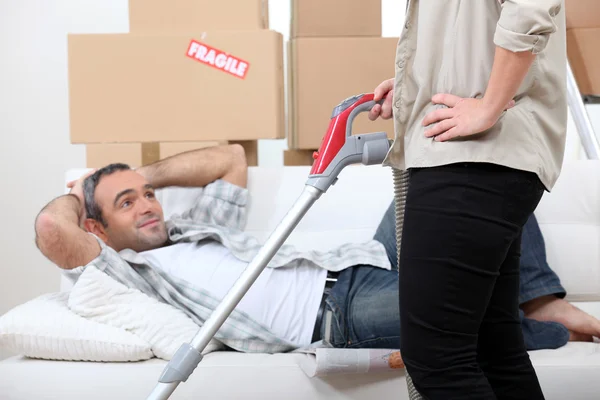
[
  {"x": 59, "y": 237},
  {"x": 198, "y": 168}
]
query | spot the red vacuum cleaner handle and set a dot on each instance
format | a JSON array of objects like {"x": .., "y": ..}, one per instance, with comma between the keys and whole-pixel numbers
[{"x": 340, "y": 127}]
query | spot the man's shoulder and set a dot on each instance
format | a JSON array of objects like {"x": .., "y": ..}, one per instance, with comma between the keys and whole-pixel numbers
[
  {"x": 223, "y": 189},
  {"x": 219, "y": 203}
]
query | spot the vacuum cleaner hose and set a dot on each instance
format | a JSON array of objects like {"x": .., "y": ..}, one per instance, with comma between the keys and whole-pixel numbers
[{"x": 400, "y": 190}]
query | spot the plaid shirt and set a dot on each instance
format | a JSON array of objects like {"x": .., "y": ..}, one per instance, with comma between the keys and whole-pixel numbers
[{"x": 220, "y": 214}]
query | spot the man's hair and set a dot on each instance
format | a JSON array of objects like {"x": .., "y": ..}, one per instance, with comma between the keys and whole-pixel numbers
[{"x": 92, "y": 209}]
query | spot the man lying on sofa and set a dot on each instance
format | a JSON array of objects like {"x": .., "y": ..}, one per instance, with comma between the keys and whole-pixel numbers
[{"x": 205, "y": 249}]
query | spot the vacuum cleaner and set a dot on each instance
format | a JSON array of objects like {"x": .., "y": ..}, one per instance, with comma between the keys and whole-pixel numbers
[{"x": 339, "y": 148}]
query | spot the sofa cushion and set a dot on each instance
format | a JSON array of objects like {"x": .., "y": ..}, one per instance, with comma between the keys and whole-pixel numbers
[{"x": 44, "y": 327}]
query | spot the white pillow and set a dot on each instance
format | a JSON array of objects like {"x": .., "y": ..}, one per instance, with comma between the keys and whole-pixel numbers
[
  {"x": 45, "y": 328},
  {"x": 98, "y": 297}
]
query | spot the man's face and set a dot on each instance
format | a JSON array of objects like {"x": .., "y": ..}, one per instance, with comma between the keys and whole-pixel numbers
[{"x": 134, "y": 218}]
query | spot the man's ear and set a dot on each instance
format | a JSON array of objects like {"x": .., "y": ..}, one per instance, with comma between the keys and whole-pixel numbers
[{"x": 95, "y": 227}]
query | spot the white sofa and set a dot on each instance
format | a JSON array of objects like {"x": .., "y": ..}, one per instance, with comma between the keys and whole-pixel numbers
[{"x": 349, "y": 212}]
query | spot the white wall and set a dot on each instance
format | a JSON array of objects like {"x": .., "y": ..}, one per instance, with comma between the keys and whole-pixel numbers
[{"x": 34, "y": 122}]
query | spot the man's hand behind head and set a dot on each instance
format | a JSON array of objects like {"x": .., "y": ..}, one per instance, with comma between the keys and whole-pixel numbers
[
  {"x": 59, "y": 229},
  {"x": 76, "y": 187}
]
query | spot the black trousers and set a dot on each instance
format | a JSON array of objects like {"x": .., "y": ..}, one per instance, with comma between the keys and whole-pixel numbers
[{"x": 459, "y": 282}]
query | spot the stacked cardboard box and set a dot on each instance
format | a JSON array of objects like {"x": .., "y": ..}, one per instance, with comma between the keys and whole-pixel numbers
[
  {"x": 335, "y": 51},
  {"x": 138, "y": 154},
  {"x": 583, "y": 35},
  {"x": 189, "y": 71}
]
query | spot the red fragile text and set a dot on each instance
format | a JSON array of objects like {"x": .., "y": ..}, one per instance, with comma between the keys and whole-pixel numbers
[{"x": 217, "y": 59}]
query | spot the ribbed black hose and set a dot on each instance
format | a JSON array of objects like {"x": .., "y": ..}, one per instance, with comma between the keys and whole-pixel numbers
[{"x": 400, "y": 190}]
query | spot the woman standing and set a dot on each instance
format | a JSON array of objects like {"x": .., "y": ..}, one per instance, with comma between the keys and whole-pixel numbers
[{"x": 479, "y": 105}]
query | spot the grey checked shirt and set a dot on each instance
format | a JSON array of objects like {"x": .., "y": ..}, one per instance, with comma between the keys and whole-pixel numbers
[{"x": 219, "y": 214}]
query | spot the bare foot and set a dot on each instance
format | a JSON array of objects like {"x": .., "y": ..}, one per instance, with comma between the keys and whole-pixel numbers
[
  {"x": 581, "y": 325},
  {"x": 395, "y": 360},
  {"x": 580, "y": 337}
]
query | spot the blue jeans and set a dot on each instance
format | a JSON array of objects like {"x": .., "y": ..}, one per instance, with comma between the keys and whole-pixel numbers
[{"x": 364, "y": 300}]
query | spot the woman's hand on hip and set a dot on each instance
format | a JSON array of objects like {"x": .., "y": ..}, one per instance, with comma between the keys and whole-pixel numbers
[{"x": 463, "y": 117}]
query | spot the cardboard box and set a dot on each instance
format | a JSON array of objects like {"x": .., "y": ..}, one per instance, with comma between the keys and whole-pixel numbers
[
  {"x": 182, "y": 16},
  {"x": 584, "y": 56},
  {"x": 126, "y": 88},
  {"x": 251, "y": 150},
  {"x": 334, "y": 18},
  {"x": 324, "y": 72},
  {"x": 133, "y": 154},
  {"x": 139, "y": 154},
  {"x": 298, "y": 157},
  {"x": 582, "y": 14},
  {"x": 169, "y": 149}
]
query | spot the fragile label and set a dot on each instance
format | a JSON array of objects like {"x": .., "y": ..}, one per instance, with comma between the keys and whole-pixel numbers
[{"x": 218, "y": 59}]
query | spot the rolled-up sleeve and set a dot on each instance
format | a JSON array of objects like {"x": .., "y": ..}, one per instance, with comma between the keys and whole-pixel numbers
[{"x": 526, "y": 25}]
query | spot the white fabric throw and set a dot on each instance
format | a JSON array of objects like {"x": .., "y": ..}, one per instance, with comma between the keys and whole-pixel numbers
[{"x": 98, "y": 297}]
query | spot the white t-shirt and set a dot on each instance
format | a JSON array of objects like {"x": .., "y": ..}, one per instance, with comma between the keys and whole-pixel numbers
[{"x": 286, "y": 300}]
